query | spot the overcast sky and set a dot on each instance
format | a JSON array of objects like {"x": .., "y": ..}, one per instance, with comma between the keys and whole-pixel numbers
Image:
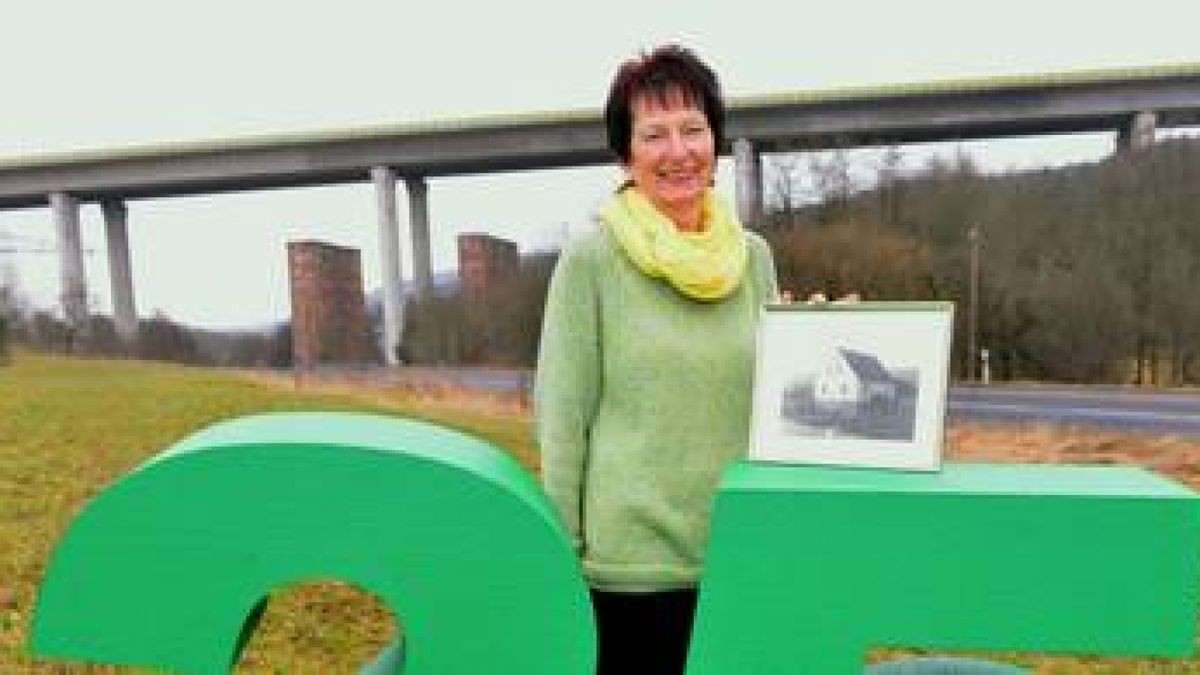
[{"x": 112, "y": 74}]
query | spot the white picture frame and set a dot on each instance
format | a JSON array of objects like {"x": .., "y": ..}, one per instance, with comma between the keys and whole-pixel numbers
[{"x": 859, "y": 384}]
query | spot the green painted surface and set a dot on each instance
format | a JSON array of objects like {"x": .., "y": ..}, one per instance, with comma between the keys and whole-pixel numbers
[
  {"x": 810, "y": 567},
  {"x": 165, "y": 567}
]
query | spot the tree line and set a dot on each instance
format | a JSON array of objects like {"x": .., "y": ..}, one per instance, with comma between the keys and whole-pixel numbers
[
  {"x": 159, "y": 338},
  {"x": 1085, "y": 273},
  {"x": 497, "y": 325}
]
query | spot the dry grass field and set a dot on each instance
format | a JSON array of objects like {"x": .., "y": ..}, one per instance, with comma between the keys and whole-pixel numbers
[{"x": 70, "y": 427}]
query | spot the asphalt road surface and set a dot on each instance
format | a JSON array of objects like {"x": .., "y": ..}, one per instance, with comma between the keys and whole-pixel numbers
[
  {"x": 1117, "y": 409},
  {"x": 1114, "y": 408}
]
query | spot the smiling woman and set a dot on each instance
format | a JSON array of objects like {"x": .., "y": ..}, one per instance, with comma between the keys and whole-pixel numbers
[{"x": 642, "y": 392}]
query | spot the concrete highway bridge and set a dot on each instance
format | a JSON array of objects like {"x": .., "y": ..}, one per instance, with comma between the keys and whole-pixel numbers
[{"x": 1131, "y": 102}]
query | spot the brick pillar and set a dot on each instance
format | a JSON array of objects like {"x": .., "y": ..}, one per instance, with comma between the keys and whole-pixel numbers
[{"x": 329, "y": 323}]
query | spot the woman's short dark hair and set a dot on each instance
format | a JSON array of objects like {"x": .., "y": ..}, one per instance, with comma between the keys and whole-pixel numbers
[{"x": 669, "y": 68}]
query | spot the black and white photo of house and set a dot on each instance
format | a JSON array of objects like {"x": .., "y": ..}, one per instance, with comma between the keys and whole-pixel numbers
[{"x": 852, "y": 394}]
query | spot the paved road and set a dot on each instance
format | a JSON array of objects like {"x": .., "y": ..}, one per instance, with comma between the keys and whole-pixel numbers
[
  {"x": 1115, "y": 408},
  {"x": 1123, "y": 409}
]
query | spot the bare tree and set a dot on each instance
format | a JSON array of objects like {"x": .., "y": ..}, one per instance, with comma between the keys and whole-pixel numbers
[
  {"x": 161, "y": 339},
  {"x": 785, "y": 191},
  {"x": 834, "y": 184},
  {"x": 889, "y": 186}
]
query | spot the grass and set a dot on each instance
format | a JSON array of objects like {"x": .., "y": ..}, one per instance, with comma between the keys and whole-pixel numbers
[{"x": 70, "y": 427}]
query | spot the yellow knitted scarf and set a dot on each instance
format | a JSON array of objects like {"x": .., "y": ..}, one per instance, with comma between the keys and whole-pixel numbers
[{"x": 704, "y": 265}]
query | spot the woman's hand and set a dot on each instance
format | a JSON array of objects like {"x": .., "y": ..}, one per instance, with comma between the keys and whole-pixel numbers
[{"x": 818, "y": 298}]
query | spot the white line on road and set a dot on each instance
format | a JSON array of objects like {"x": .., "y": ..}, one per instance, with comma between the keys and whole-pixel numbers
[{"x": 1062, "y": 412}]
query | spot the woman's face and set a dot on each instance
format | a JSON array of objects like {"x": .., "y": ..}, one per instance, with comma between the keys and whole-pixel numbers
[{"x": 671, "y": 154}]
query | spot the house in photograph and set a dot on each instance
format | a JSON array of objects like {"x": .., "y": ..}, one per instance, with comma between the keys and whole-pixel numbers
[
  {"x": 852, "y": 383},
  {"x": 852, "y": 394}
]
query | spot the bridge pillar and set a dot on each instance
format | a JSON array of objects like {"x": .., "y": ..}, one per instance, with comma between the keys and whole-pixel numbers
[
  {"x": 748, "y": 172},
  {"x": 119, "y": 270},
  {"x": 65, "y": 209},
  {"x": 418, "y": 219},
  {"x": 389, "y": 251},
  {"x": 1138, "y": 132}
]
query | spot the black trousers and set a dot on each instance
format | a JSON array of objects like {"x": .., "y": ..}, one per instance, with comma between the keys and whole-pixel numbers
[{"x": 640, "y": 633}]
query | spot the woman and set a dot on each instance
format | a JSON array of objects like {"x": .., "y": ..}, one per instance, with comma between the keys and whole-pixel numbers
[{"x": 644, "y": 371}]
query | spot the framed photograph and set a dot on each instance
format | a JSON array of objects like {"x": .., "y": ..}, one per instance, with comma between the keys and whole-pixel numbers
[{"x": 860, "y": 384}]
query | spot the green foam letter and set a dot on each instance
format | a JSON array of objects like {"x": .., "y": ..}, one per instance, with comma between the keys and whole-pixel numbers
[
  {"x": 810, "y": 567},
  {"x": 166, "y": 567}
]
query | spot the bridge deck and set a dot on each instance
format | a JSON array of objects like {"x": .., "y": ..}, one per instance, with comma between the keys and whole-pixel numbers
[{"x": 937, "y": 111}]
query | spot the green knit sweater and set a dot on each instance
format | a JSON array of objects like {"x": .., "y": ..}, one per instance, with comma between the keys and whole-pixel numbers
[{"x": 642, "y": 398}]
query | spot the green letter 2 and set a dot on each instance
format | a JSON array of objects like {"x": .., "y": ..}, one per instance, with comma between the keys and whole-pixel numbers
[{"x": 164, "y": 568}]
